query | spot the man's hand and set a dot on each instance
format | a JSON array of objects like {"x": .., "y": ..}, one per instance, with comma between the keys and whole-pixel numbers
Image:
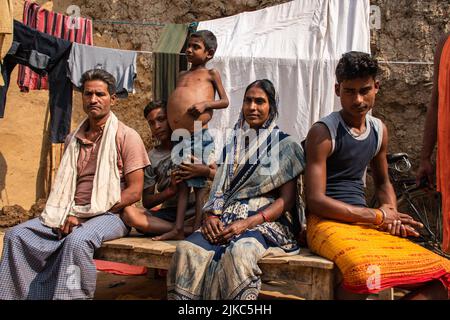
[
  {"x": 211, "y": 228},
  {"x": 197, "y": 109},
  {"x": 393, "y": 215},
  {"x": 236, "y": 228},
  {"x": 425, "y": 172},
  {"x": 70, "y": 223},
  {"x": 399, "y": 224},
  {"x": 400, "y": 230}
]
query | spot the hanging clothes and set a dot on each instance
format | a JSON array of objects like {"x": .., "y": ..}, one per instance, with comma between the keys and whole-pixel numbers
[
  {"x": 44, "y": 54},
  {"x": 297, "y": 46},
  {"x": 6, "y": 30},
  {"x": 167, "y": 60},
  {"x": 120, "y": 63},
  {"x": 73, "y": 29}
]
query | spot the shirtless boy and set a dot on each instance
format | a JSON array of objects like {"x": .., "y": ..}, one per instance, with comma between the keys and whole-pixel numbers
[{"x": 193, "y": 100}]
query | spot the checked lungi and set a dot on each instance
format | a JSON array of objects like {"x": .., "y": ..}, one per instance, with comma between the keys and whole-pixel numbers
[{"x": 36, "y": 265}]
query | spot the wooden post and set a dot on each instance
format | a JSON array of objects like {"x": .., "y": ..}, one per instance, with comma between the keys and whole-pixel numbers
[{"x": 322, "y": 284}]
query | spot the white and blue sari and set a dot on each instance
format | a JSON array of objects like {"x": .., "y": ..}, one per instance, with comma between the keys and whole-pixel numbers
[{"x": 248, "y": 181}]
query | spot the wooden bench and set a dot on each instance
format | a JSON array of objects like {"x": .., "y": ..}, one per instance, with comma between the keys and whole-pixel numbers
[{"x": 312, "y": 275}]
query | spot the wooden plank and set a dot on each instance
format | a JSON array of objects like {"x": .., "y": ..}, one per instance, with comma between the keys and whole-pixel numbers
[
  {"x": 155, "y": 247},
  {"x": 278, "y": 260},
  {"x": 314, "y": 262},
  {"x": 322, "y": 284},
  {"x": 134, "y": 258},
  {"x": 145, "y": 242},
  {"x": 286, "y": 272},
  {"x": 304, "y": 290},
  {"x": 118, "y": 246},
  {"x": 167, "y": 248},
  {"x": 283, "y": 290},
  {"x": 299, "y": 260},
  {"x": 141, "y": 244}
]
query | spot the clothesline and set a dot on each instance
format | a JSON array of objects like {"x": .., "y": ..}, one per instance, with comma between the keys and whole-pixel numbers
[
  {"x": 406, "y": 62},
  {"x": 144, "y": 23},
  {"x": 160, "y": 24},
  {"x": 153, "y": 24},
  {"x": 381, "y": 61},
  {"x": 150, "y": 52}
]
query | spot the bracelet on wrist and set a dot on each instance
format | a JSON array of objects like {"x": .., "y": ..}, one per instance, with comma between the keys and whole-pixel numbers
[
  {"x": 380, "y": 215},
  {"x": 384, "y": 214}
]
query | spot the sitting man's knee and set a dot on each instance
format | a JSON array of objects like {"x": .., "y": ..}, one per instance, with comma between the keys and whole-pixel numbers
[
  {"x": 13, "y": 233},
  {"x": 81, "y": 240}
]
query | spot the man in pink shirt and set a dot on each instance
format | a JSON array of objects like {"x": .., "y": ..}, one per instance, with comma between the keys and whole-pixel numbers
[{"x": 44, "y": 260}]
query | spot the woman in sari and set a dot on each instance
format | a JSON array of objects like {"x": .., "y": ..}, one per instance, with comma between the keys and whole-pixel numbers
[{"x": 252, "y": 209}]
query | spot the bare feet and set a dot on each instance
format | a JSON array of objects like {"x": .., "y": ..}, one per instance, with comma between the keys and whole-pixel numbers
[{"x": 173, "y": 234}]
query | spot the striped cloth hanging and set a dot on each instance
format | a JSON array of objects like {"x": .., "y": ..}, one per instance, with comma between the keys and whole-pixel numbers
[{"x": 74, "y": 29}]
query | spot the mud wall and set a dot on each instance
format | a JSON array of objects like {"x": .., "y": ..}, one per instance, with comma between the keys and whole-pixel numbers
[
  {"x": 408, "y": 32},
  {"x": 23, "y": 142}
]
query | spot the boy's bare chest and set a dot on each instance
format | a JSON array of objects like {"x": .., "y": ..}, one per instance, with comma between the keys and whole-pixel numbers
[{"x": 194, "y": 79}]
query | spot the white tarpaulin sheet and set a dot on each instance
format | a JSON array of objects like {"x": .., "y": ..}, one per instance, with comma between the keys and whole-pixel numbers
[{"x": 296, "y": 45}]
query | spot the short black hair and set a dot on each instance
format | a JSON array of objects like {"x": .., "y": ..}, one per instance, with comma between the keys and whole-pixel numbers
[
  {"x": 355, "y": 65},
  {"x": 102, "y": 75},
  {"x": 208, "y": 38},
  {"x": 154, "y": 105}
]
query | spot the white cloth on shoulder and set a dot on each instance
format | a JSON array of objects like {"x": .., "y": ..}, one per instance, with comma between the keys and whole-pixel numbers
[{"x": 106, "y": 185}]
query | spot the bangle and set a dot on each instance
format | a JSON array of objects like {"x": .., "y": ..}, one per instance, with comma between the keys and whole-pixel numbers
[
  {"x": 212, "y": 216},
  {"x": 384, "y": 214},
  {"x": 379, "y": 217}
]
